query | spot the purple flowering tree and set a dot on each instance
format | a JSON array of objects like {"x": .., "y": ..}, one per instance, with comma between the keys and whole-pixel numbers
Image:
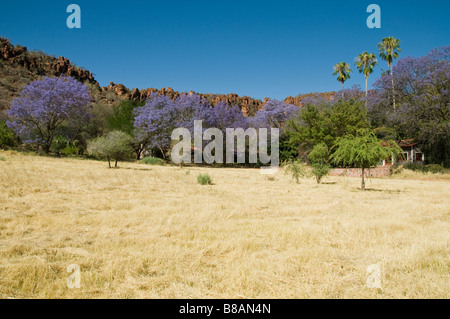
[
  {"x": 155, "y": 121},
  {"x": 45, "y": 105},
  {"x": 223, "y": 116},
  {"x": 190, "y": 108},
  {"x": 274, "y": 114},
  {"x": 422, "y": 94}
]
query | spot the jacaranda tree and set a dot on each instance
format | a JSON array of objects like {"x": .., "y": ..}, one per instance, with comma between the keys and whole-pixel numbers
[
  {"x": 155, "y": 121},
  {"x": 45, "y": 105},
  {"x": 276, "y": 114},
  {"x": 423, "y": 103}
]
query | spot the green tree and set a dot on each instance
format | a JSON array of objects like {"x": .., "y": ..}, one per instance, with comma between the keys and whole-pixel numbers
[
  {"x": 364, "y": 151},
  {"x": 7, "y": 136},
  {"x": 342, "y": 70},
  {"x": 319, "y": 158},
  {"x": 318, "y": 124},
  {"x": 116, "y": 145},
  {"x": 365, "y": 62},
  {"x": 296, "y": 169},
  {"x": 389, "y": 49},
  {"x": 122, "y": 119}
]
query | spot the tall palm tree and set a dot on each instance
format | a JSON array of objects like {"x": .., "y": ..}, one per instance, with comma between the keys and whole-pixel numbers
[
  {"x": 365, "y": 62},
  {"x": 342, "y": 70},
  {"x": 389, "y": 50}
]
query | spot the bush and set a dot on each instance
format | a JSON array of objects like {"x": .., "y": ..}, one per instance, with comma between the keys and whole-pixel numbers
[
  {"x": 115, "y": 145},
  {"x": 72, "y": 149},
  {"x": 397, "y": 169},
  {"x": 2, "y": 159},
  {"x": 319, "y": 158},
  {"x": 62, "y": 146},
  {"x": 7, "y": 136},
  {"x": 430, "y": 168},
  {"x": 204, "y": 179},
  {"x": 296, "y": 169},
  {"x": 152, "y": 161}
]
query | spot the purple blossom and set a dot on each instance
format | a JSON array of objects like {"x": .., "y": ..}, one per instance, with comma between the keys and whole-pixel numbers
[
  {"x": 274, "y": 114},
  {"x": 44, "y": 105}
]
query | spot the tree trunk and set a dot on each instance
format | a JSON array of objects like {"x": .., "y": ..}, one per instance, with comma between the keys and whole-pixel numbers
[
  {"x": 342, "y": 90},
  {"x": 366, "y": 90},
  {"x": 393, "y": 89},
  {"x": 109, "y": 161},
  {"x": 46, "y": 149},
  {"x": 138, "y": 154},
  {"x": 363, "y": 182},
  {"x": 115, "y": 165}
]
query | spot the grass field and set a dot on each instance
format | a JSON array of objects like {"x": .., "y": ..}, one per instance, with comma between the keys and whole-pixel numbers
[{"x": 152, "y": 232}]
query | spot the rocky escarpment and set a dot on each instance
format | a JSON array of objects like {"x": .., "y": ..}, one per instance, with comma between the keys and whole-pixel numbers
[
  {"x": 41, "y": 63},
  {"x": 19, "y": 66}
]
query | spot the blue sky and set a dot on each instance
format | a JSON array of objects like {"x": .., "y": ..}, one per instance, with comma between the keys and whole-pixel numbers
[{"x": 255, "y": 48}]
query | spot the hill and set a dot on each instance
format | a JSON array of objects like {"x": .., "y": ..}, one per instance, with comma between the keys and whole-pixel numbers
[{"x": 19, "y": 67}]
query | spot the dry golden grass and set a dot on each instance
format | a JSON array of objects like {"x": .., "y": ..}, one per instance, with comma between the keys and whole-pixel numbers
[{"x": 153, "y": 232}]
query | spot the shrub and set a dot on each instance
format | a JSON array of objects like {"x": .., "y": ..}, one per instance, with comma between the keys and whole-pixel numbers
[
  {"x": 152, "y": 161},
  {"x": 397, "y": 169},
  {"x": 62, "y": 146},
  {"x": 204, "y": 179},
  {"x": 430, "y": 168},
  {"x": 319, "y": 158},
  {"x": 115, "y": 145},
  {"x": 72, "y": 149},
  {"x": 7, "y": 136},
  {"x": 296, "y": 169},
  {"x": 435, "y": 168},
  {"x": 2, "y": 159}
]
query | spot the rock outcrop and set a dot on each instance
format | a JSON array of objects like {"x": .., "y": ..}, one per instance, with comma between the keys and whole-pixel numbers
[{"x": 27, "y": 66}]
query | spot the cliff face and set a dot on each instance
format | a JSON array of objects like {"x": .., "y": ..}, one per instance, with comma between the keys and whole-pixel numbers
[{"x": 19, "y": 67}]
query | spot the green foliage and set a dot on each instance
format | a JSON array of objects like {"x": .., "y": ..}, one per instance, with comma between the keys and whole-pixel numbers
[
  {"x": 62, "y": 146},
  {"x": 430, "y": 168},
  {"x": 7, "y": 136},
  {"x": 319, "y": 158},
  {"x": 2, "y": 159},
  {"x": 204, "y": 179},
  {"x": 323, "y": 124},
  {"x": 320, "y": 171},
  {"x": 122, "y": 118},
  {"x": 296, "y": 169},
  {"x": 287, "y": 149},
  {"x": 363, "y": 150},
  {"x": 152, "y": 161},
  {"x": 115, "y": 145}
]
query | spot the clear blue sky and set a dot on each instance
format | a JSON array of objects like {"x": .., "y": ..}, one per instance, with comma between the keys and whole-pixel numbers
[{"x": 249, "y": 47}]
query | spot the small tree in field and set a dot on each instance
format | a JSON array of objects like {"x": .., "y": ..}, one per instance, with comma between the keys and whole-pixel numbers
[
  {"x": 364, "y": 151},
  {"x": 319, "y": 158},
  {"x": 296, "y": 169},
  {"x": 45, "y": 105},
  {"x": 115, "y": 146}
]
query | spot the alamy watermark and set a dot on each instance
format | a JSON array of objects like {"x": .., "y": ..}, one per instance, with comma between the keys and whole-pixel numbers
[
  {"x": 256, "y": 148},
  {"x": 374, "y": 278},
  {"x": 74, "y": 280},
  {"x": 74, "y": 19}
]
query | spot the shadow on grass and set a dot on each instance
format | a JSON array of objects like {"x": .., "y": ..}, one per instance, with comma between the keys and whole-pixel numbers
[
  {"x": 389, "y": 191},
  {"x": 135, "y": 169}
]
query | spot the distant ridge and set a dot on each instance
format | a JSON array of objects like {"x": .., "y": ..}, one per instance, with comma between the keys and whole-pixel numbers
[{"x": 19, "y": 67}]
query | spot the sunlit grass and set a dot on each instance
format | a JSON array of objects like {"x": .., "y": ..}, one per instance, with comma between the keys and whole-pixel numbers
[{"x": 153, "y": 232}]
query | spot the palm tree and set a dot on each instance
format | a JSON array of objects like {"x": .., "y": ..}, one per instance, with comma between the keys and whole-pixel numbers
[
  {"x": 389, "y": 50},
  {"x": 342, "y": 70},
  {"x": 365, "y": 62}
]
